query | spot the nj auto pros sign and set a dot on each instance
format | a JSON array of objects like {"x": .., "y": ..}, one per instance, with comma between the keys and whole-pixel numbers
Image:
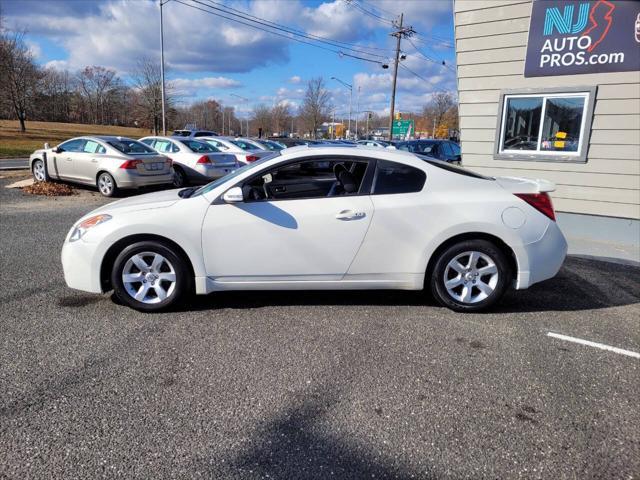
[{"x": 574, "y": 37}]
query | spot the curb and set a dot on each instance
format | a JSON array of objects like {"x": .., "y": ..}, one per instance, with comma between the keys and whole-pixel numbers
[{"x": 26, "y": 167}]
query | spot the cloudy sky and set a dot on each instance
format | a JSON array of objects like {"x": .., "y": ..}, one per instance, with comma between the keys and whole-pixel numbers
[{"x": 211, "y": 57}]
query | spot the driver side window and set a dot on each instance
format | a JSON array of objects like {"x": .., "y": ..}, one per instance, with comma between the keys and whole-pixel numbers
[{"x": 307, "y": 179}]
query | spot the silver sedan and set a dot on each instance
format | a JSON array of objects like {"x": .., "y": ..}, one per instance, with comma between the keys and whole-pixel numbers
[{"x": 109, "y": 163}]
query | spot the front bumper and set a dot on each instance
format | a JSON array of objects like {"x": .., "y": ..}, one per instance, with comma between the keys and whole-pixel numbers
[
  {"x": 542, "y": 259},
  {"x": 79, "y": 266},
  {"x": 136, "y": 180}
]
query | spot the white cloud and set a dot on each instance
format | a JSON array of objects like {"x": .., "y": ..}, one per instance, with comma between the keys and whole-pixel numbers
[
  {"x": 295, "y": 79},
  {"x": 189, "y": 86}
]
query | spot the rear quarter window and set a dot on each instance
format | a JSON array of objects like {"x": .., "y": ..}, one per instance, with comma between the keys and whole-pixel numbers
[{"x": 393, "y": 178}]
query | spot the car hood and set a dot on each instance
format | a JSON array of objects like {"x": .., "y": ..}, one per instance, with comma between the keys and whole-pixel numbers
[{"x": 162, "y": 199}]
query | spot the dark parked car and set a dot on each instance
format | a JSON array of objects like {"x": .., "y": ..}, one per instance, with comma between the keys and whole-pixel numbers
[
  {"x": 440, "y": 149},
  {"x": 293, "y": 142}
]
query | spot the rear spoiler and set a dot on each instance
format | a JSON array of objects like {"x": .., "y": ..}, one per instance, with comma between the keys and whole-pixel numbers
[{"x": 526, "y": 185}]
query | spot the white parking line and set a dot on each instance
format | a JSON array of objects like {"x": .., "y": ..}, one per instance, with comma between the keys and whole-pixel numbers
[{"x": 602, "y": 346}]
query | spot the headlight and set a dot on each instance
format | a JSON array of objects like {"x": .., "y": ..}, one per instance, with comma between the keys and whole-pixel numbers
[{"x": 80, "y": 229}]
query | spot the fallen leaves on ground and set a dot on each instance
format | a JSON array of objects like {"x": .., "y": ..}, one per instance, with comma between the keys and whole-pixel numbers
[{"x": 49, "y": 189}]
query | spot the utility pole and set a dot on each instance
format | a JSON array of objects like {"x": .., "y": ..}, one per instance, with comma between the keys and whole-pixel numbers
[
  {"x": 350, "y": 87},
  {"x": 401, "y": 32},
  {"x": 244, "y": 99},
  {"x": 357, "y": 110},
  {"x": 164, "y": 113}
]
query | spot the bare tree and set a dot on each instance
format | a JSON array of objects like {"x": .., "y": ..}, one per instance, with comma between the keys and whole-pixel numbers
[
  {"x": 442, "y": 112},
  {"x": 261, "y": 118},
  {"x": 280, "y": 118},
  {"x": 147, "y": 81},
  {"x": 96, "y": 83},
  {"x": 316, "y": 105},
  {"x": 18, "y": 75}
]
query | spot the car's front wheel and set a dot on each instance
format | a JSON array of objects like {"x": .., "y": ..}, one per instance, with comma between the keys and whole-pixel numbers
[
  {"x": 39, "y": 172},
  {"x": 470, "y": 276},
  {"x": 149, "y": 276}
]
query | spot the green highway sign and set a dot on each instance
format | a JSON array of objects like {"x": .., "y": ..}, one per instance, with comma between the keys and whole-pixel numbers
[{"x": 401, "y": 127}]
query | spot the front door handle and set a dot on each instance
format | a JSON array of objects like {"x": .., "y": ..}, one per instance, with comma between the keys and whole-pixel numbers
[{"x": 350, "y": 215}]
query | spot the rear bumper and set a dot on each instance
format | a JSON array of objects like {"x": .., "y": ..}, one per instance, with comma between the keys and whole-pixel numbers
[
  {"x": 542, "y": 259},
  {"x": 135, "y": 180},
  {"x": 214, "y": 171}
]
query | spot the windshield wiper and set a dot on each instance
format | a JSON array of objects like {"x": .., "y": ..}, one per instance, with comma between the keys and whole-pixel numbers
[{"x": 186, "y": 192}]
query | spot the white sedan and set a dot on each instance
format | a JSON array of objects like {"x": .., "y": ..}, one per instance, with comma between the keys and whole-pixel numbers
[
  {"x": 193, "y": 159},
  {"x": 323, "y": 217}
]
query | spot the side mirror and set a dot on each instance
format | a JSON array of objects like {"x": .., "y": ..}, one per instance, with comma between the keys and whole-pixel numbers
[
  {"x": 233, "y": 195},
  {"x": 46, "y": 146}
]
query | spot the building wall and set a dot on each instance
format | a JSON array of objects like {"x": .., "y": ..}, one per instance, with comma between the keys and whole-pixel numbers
[{"x": 491, "y": 39}]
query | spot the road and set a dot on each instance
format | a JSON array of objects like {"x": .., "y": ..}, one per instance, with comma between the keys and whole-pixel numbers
[
  {"x": 14, "y": 163},
  {"x": 308, "y": 385}
]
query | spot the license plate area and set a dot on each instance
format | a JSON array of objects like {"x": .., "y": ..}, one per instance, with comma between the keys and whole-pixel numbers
[{"x": 154, "y": 166}]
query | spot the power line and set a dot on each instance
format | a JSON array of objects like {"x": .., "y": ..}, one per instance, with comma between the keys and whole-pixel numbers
[
  {"x": 288, "y": 37},
  {"x": 441, "y": 61},
  {"x": 251, "y": 18},
  {"x": 359, "y": 7},
  {"x": 300, "y": 32}
]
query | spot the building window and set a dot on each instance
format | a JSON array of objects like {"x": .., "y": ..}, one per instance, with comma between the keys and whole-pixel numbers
[{"x": 547, "y": 125}]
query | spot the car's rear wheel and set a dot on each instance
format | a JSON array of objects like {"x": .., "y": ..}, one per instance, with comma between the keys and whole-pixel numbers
[
  {"x": 149, "y": 276},
  {"x": 179, "y": 178},
  {"x": 39, "y": 172},
  {"x": 470, "y": 276},
  {"x": 106, "y": 184}
]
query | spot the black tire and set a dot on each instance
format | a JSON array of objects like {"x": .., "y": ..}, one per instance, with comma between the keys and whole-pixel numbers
[
  {"x": 107, "y": 185},
  {"x": 39, "y": 172},
  {"x": 152, "y": 301},
  {"x": 179, "y": 178},
  {"x": 473, "y": 278}
]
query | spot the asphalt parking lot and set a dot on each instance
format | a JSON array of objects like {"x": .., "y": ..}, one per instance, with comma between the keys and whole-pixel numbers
[{"x": 308, "y": 385}]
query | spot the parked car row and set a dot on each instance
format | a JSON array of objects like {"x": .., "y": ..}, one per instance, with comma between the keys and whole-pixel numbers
[{"x": 187, "y": 157}]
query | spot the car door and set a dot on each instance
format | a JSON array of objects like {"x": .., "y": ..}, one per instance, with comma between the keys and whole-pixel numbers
[
  {"x": 395, "y": 239},
  {"x": 64, "y": 158},
  {"x": 307, "y": 236},
  {"x": 87, "y": 161}
]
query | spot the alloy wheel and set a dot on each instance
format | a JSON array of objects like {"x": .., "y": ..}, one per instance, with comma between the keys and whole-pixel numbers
[
  {"x": 38, "y": 171},
  {"x": 471, "y": 277},
  {"x": 149, "y": 277},
  {"x": 105, "y": 184}
]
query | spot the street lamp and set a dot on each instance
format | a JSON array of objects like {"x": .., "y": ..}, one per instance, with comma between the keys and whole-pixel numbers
[
  {"x": 244, "y": 99},
  {"x": 350, "y": 87},
  {"x": 164, "y": 121}
]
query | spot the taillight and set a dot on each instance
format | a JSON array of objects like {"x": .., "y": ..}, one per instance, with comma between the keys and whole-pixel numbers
[
  {"x": 169, "y": 162},
  {"x": 131, "y": 164},
  {"x": 203, "y": 159},
  {"x": 252, "y": 158},
  {"x": 539, "y": 201}
]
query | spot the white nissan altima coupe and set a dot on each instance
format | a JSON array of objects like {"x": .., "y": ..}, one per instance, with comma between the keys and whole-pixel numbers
[{"x": 323, "y": 217}]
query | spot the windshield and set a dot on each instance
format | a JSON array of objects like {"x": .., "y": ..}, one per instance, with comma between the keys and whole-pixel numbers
[
  {"x": 271, "y": 145},
  {"x": 129, "y": 146},
  {"x": 199, "y": 147},
  {"x": 210, "y": 186},
  {"x": 244, "y": 145}
]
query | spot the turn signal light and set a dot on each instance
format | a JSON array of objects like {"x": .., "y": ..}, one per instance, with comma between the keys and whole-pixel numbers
[
  {"x": 539, "y": 201},
  {"x": 131, "y": 164},
  {"x": 203, "y": 159},
  {"x": 252, "y": 158}
]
